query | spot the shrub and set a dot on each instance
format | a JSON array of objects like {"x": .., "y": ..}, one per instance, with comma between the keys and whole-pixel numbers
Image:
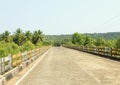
[
  {"x": 8, "y": 48},
  {"x": 27, "y": 46}
]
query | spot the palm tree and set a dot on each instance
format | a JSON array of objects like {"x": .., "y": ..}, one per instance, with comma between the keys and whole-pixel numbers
[
  {"x": 37, "y": 37},
  {"x": 6, "y": 36},
  {"x": 19, "y": 37},
  {"x": 28, "y": 35}
]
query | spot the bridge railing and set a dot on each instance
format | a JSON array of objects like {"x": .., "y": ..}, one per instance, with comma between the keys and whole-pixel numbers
[
  {"x": 105, "y": 51},
  {"x": 11, "y": 61}
]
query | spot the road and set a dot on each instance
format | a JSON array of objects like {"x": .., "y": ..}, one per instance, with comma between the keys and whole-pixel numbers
[{"x": 63, "y": 66}]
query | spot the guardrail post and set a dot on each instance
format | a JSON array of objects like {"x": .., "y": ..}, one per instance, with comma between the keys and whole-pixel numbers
[
  {"x": 10, "y": 58},
  {"x": 0, "y": 65},
  {"x": 3, "y": 65}
]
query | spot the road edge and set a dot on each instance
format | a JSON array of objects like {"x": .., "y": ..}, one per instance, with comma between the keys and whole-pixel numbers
[{"x": 39, "y": 59}]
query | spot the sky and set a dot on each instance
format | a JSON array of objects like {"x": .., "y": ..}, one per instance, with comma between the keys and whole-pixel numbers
[{"x": 60, "y": 16}]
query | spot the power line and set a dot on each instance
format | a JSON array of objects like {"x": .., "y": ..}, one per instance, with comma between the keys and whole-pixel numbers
[{"x": 109, "y": 21}]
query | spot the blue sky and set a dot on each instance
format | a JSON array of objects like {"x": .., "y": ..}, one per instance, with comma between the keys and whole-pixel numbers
[{"x": 60, "y": 16}]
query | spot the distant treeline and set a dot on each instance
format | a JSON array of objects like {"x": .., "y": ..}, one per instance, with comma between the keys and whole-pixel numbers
[
  {"x": 110, "y": 39},
  {"x": 20, "y": 41},
  {"x": 57, "y": 37},
  {"x": 108, "y": 36}
]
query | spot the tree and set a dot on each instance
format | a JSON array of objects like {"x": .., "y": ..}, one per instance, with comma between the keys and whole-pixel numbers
[
  {"x": 88, "y": 41},
  {"x": 118, "y": 43},
  {"x": 28, "y": 35},
  {"x": 65, "y": 41},
  {"x": 110, "y": 43},
  {"x": 100, "y": 42},
  {"x": 78, "y": 39},
  {"x": 6, "y": 36},
  {"x": 37, "y": 37},
  {"x": 19, "y": 37}
]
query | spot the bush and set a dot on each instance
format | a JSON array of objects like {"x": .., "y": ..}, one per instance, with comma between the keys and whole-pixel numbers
[
  {"x": 38, "y": 45},
  {"x": 27, "y": 46},
  {"x": 8, "y": 48},
  {"x": 118, "y": 43},
  {"x": 3, "y": 52},
  {"x": 14, "y": 48}
]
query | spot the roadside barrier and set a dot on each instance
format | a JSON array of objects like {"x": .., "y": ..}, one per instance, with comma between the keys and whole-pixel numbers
[
  {"x": 13, "y": 64},
  {"x": 103, "y": 51},
  {"x": 12, "y": 61}
]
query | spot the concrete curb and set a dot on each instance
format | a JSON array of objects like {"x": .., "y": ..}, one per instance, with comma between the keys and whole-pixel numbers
[{"x": 2, "y": 80}]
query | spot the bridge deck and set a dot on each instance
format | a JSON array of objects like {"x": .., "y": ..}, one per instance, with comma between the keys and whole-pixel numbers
[{"x": 63, "y": 66}]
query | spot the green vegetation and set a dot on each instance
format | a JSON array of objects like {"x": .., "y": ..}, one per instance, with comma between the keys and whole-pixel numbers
[
  {"x": 20, "y": 41},
  {"x": 8, "y": 48},
  {"x": 57, "y": 40},
  {"x": 78, "y": 39},
  {"x": 110, "y": 39},
  {"x": 107, "y": 36},
  {"x": 87, "y": 40},
  {"x": 118, "y": 43},
  {"x": 27, "y": 46},
  {"x": 19, "y": 37}
]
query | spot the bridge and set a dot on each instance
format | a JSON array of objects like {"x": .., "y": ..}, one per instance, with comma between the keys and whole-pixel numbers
[{"x": 64, "y": 66}]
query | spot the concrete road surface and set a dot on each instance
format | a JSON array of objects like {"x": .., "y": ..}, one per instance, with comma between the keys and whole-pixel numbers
[{"x": 62, "y": 66}]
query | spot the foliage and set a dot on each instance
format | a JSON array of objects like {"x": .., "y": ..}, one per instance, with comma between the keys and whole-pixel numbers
[
  {"x": 3, "y": 52},
  {"x": 57, "y": 43},
  {"x": 14, "y": 48},
  {"x": 57, "y": 38},
  {"x": 66, "y": 41},
  {"x": 6, "y": 36},
  {"x": 106, "y": 36},
  {"x": 19, "y": 37},
  {"x": 39, "y": 44},
  {"x": 27, "y": 46},
  {"x": 8, "y": 48},
  {"x": 78, "y": 39},
  {"x": 118, "y": 43},
  {"x": 100, "y": 42},
  {"x": 37, "y": 37},
  {"x": 28, "y": 35},
  {"x": 45, "y": 43},
  {"x": 88, "y": 41},
  {"x": 20, "y": 41},
  {"x": 111, "y": 43}
]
